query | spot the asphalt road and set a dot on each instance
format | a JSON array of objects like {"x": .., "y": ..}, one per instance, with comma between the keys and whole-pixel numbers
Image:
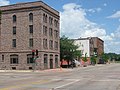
[{"x": 100, "y": 77}]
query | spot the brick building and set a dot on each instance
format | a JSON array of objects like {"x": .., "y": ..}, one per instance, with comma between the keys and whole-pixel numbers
[
  {"x": 90, "y": 45},
  {"x": 25, "y": 27}
]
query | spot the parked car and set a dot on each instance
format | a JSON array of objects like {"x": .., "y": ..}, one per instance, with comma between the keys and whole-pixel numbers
[{"x": 75, "y": 63}]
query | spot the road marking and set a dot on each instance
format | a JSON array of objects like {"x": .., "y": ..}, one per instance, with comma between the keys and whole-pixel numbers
[
  {"x": 24, "y": 85},
  {"x": 66, "y": 84}
]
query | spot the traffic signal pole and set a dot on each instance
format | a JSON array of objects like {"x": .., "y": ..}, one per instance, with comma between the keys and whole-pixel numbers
[{"x": 34, "y": 57}]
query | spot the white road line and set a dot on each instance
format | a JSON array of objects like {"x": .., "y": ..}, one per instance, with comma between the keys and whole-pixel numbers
[{"x": 66, "y": 84}]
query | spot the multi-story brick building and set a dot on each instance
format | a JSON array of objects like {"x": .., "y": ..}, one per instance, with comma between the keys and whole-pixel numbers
[
  {"x": 90, "y": 45},
  {"x": 25, "y": 27}
]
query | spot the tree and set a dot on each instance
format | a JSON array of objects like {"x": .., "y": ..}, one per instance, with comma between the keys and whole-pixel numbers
[
  {"x": 93, "y": 59},
  {"x": 67, "y": 49},
  {"x": 105, "y": 57},
  {"x": 85, "y": 58}
]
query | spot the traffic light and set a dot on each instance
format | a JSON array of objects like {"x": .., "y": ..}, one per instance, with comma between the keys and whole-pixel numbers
[
  {"x": 33, "y": 53},
  {"x": 36, "y": 52}
]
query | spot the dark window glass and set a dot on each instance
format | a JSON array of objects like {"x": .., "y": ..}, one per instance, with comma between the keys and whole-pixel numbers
[
  {"x": 2, "y": 58},
  {"x": 14, "y": 43},
  {"x": 14, "y": 30},
  {"x": 50, "y": 32},
  {"x": 31, "y": 42},
  {"x": 29, "y": 59},
  {"x": 13, "y": 59},
  {"x": 45, "y": 61},
  {"x": 31, "y": 29},
  {"x": 14, "y": 18},
  {"x": 31, "y": 17}
]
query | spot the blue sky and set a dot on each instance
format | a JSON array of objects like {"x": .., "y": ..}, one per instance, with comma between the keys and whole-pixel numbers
[{"x": 87, "y": 18}]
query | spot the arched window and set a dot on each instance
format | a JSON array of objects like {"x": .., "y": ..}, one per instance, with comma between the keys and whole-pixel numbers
[
  {"x": 14, "y": 18},
  {"x": 43, "y": 17},
  {"x": 31, "y": 17},
  {"x": 14, "y": 59}
]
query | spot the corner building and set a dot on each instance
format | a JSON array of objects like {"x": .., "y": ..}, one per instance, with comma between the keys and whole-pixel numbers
[{"x": 25, "y": 27}]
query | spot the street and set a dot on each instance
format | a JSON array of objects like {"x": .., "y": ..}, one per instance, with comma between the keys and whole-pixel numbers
[{"x": 99, "y": 77}]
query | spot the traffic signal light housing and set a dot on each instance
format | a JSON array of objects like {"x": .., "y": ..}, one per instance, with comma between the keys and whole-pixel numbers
[
  {"x": 33, "y": 53},
  {"x": 36, "y": 52}
]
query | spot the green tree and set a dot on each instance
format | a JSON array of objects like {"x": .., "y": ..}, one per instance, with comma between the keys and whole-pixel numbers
[
  {"x": 105, "y": 57},
  {"x": 93, "y": 59},
  {"x": 67, "y": 49},
  {"x": 85, "y": 58}
]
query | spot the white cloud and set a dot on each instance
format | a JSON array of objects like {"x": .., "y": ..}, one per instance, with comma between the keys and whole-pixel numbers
[
  {"x": 74, "y": 24},
  {"x": 4, "y": 2},
  {"x": 115, "y": 15},
  {"x": 94, "y": 10}
]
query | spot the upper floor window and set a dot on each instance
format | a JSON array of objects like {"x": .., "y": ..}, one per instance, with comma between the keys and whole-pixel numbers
[
  {"x": 45, "y": 43},
  {"x": 56, "y": 45},
  {"x": 56, "y": 34},
  {"x": 56, "y": 23},
  {"x": 14, "y": 43},
  {"x": 50, "y": 32},
  {"x": 31, "y": 42},
  {"x": 31, "y": 17},
  {"x": 45, "y": 30},
  {"x": 45, "y": 18},
  {"x": 50, "y": 20},
  {"x": 14, "y": 30},
  {"x": 31, "y": 29},
  {"x": 14, "y": 18},
  {"x": 51, "y": 44}
]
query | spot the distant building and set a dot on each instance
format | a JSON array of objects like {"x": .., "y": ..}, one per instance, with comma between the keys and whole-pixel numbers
[
  {"x": 90, "y": 46},
  {"x": 25, "y": 27}
]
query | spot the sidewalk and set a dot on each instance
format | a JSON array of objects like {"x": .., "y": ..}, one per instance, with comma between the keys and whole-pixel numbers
[{"x": 42, "y": 71}]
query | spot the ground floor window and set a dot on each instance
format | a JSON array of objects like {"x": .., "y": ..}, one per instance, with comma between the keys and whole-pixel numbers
[
  {"x": 29, "y": 59},
  {"x": 56, "y": 61},
  {"x": 45, "y": 61},
  {"x": 13, "y": 59}
]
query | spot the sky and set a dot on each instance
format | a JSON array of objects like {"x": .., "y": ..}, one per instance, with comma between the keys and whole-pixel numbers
[{"x": 87, "y": 18}]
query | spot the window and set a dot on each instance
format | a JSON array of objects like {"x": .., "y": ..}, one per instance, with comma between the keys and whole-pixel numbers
[
  {"x": 2, "y": 58},
  {"x": 14, "y": 18},
  {"x": 56, "y": 61},
  {"x": 51, "y": 44},
  {"x": 45, "y": 18},
  {"x": 13, "y": 59},
  {"x": 29, "y": 59},
  {"x": 50, "y": 32},
  {"x": 31, "y": 29},
  {"x": 31, "y": 17},
  {"x": 14, "y": 43},
  {"x": 45, "y": 61},
  {"x": 56, "y": 33},
  {"x": 31, "y": 42},
  {"x": 45, "y": 43},
  {"x": 45, "y": 30},
  {"x": 56, "y": 45},
  {"x": 56, "y": 24},
  {"x": 50, "y": 20},
  {"x": 14, "y": 30}
]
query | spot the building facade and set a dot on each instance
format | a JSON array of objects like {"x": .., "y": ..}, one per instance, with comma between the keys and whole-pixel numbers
[
  {"x": 25, "y": 27},
  {"x": 90, "y": 46}
]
